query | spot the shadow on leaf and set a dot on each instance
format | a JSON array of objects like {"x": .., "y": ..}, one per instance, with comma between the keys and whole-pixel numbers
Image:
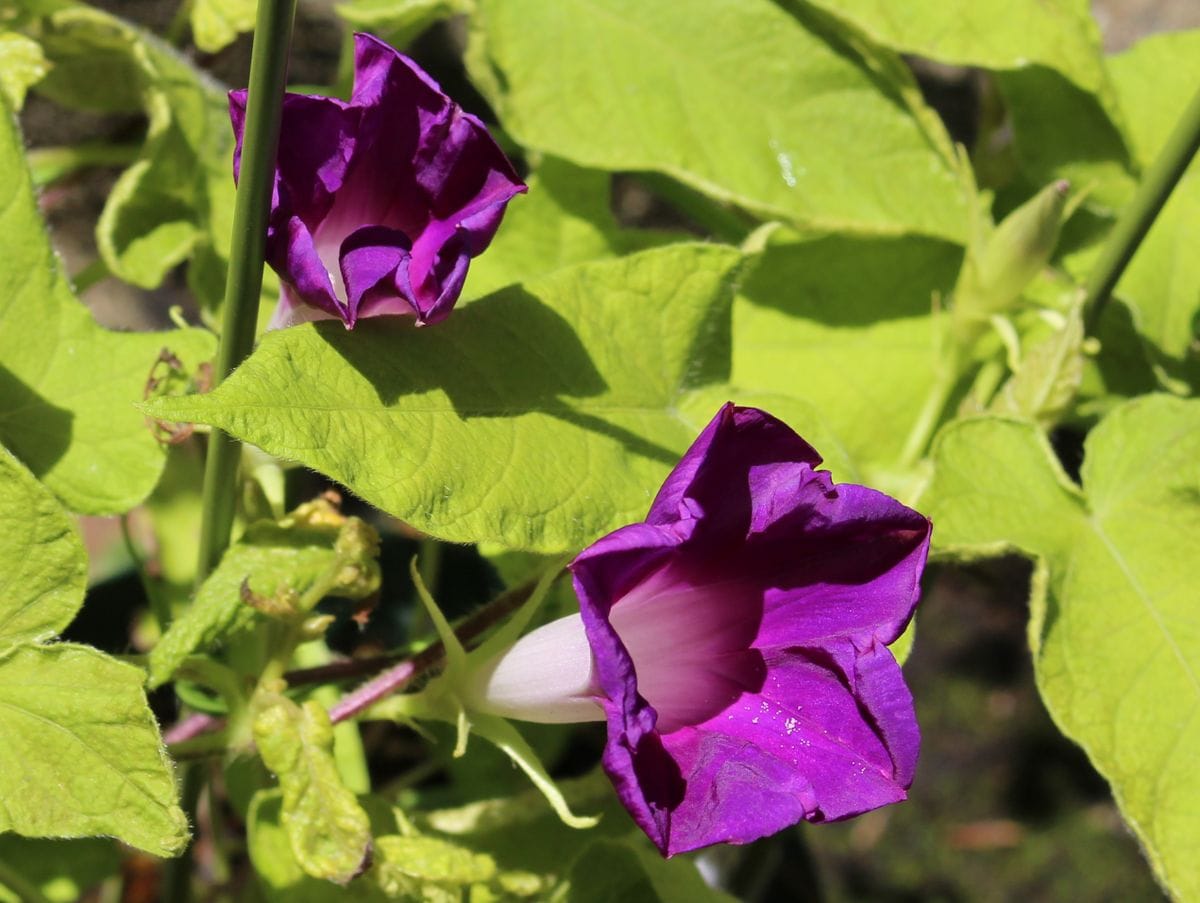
[
  {"x": 32, "y": 428},
  {"x": 503, "y": 356}
]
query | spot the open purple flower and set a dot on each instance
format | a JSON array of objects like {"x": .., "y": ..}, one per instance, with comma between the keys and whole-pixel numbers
[
  {"x": 379, "y": 203},
  {"x": 738, "y": 644}
]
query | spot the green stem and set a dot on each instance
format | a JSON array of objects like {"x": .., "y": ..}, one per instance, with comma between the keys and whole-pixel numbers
[
  {"x": 268, "y": 74},
  {"x": 1137, "y": 217},
  {"x": 922, "y": 430}
]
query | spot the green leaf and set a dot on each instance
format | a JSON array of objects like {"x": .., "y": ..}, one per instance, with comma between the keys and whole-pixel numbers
[
  {"x": 159, "y": 210},
  {"x": 1045, "y": 384},
  {"x": 564, "y": 219},
  {"x": 329, "y": 832},
  {"x": 1112, "y": 625},
  {"x": 62, "y": 870},
  {"x": 22, "y": 64},
  {"x": 522, "y": 835},
  {"x": 280, "y": 875},
  {"x": 1050, "y": 69},
  {"x": 407, "y": 865},
  {"x": 738, "y": 99},
  {"x": 1060, "y": 131},
  {"x": 800, "y": 414},
  {"x": 82, "y": 753},
  {"x": 276, "y": 564},
  {"x": 43, "y": 568},
  {"x": 845, "y": 324},
  {"x": 217, "y": 23},
  {"x": 989, "y": 34},
  {"x": 174, "y": 508},
  {"x": 68, "y": 387},
  {"x": 609, "y": 870},
  {"x": 1155, "y": 81},
  {"x": 438, "y": 427},
  {"x": 398, "y": 22}
]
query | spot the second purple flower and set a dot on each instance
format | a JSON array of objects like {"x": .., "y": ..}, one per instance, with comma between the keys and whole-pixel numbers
[
  {"x": 736, "y": 644},
  {"x": 380, "y": 202}
]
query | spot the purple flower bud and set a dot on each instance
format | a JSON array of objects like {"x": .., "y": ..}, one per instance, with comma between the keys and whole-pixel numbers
[
  {"x": 738, "y": 644},
  {"x": 380, "y": 203}
]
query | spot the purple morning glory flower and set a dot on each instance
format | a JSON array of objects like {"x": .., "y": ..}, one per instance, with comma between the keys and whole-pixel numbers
[
  {"x": 736, "y": 641},
  {"x": 379, "y": 203}
]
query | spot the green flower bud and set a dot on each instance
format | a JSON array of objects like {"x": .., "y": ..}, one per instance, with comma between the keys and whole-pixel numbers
[{"x": 998, "y": 269}]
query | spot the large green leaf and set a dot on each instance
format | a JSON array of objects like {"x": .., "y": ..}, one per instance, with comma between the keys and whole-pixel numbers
[
  {"x": 736, "y": 98},
  {"x": 565, "y": 218},
  {"x": 1113, "y": 621},
  {"x": 159, "y": 211},
  {"x": 1060, "y": 131},
  {"x": 990, "y": 34},
  {"x": 82, "y": 753},
  {"x": 846, "y": 324},
  {"x": 398, "y": 21},
  {"x": 611, "y": 861},
  {"x": 81, "y": 750},
  {"x": 43, "y": 568},
  {"x": 538, "y": 417},
  {"x": 67, "y": 387},
  {"x": 1155, "y": 81},
  {"x": 611, "y": 870},
  {"x": 1050, "y": 68}
]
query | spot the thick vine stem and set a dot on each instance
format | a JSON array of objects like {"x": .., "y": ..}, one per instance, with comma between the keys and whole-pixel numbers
[
  {"x": 264, "y": 103},
  {"x": 429, "y": 658},
  {"x": 401, "y": 670},
  {"x": 1139, "y": 214}
]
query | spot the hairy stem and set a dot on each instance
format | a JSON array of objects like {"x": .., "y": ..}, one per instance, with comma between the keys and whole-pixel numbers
[
  {"x": 260, "y": 140},
  {"x": 268, "y": 72},
  {"x": 1139, "y": 214}
]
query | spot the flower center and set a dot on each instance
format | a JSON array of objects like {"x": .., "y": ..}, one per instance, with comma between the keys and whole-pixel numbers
[{"x": 690, "y": 643}]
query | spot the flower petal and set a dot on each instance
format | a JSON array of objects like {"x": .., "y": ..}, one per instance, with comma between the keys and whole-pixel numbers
[
  {"x": 840, "y": 563},
  {"x": 292, "y": 252},
  {"x": 806, "y": 747},
  {"x": 731, "y": 474},
  {"x": 317, "y": 141},
  {"x": 373, "y": 260}
]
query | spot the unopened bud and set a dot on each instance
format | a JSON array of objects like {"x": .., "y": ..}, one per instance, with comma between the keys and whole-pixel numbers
[{"x": 995, "y": 275}]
